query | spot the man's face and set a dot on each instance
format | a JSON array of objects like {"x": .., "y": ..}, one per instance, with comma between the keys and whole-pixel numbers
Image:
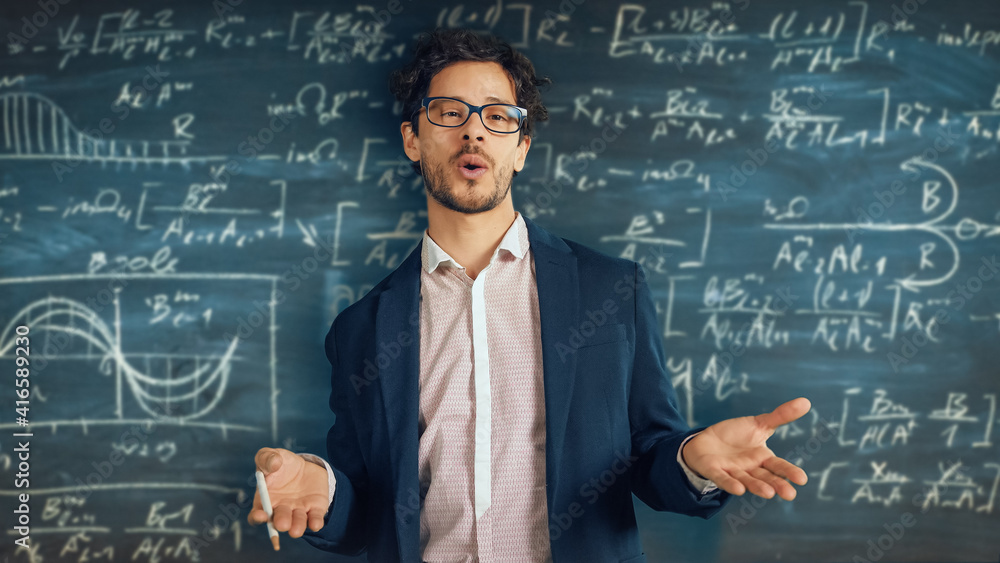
[{"x": 469, "y": 168}]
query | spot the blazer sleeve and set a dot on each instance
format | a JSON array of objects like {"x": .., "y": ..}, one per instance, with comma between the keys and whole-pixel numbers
[
  {"x": 657, "y": 427},
  {"x": 344, "y": 524}
]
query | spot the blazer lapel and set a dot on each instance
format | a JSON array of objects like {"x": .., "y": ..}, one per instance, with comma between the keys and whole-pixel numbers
[
  {"x": 557, "y": 279},
  {"x": 397, "y": 322}
]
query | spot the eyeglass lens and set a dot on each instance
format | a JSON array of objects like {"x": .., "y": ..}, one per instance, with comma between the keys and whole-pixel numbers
[{"x": 502, "y": 118}]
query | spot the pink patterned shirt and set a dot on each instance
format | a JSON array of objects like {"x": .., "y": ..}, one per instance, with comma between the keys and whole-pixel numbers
[{"x": 481, "y": 377}]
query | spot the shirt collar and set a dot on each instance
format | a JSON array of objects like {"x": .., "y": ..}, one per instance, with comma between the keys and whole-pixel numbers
[{"x": 515, "y": 241}]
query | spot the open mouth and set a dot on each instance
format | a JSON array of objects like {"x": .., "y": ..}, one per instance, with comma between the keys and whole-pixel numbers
[{"x": 471, "y": 166}]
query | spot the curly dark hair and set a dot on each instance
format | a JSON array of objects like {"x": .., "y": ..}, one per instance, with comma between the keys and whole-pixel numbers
[{"x": 436, "y": 50}]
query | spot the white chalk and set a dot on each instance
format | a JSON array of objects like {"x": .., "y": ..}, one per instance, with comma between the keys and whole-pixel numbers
[{"x": 265, "y": 502}]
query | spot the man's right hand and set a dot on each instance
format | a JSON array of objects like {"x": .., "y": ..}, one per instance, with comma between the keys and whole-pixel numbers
[{"x": 299, "y": 492}]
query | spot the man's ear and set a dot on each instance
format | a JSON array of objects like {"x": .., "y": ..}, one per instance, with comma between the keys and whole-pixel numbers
[
  {"x": 411, "y": 143},
  {"x": 522, "y": 153}
]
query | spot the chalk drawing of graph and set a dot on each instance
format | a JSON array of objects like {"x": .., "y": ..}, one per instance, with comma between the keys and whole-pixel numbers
[
  {"x": 35, "y": 127},
  {"x": 102, "y": 379}
]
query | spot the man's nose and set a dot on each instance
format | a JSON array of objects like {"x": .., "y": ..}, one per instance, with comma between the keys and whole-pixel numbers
[{"x": 474, "y": 127}]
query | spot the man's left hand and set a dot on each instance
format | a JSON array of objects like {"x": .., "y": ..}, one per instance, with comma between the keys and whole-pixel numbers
[{"x": 734, "y": 453}]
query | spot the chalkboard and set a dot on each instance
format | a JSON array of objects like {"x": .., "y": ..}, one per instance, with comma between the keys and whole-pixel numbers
[{"x": 191, "y": 191}]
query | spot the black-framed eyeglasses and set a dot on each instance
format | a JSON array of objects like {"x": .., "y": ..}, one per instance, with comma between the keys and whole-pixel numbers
[{"x": 452, "y": 112}]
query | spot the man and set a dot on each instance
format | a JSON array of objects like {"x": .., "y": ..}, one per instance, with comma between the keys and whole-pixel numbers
[{"x": 501, "y": 395}]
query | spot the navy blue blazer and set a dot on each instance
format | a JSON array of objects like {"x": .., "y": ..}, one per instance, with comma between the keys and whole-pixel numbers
[{"x": 612, "y": 427}]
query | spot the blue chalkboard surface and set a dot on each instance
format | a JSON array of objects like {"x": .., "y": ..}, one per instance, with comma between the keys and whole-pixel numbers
[{"x": 191, "y": 191}]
